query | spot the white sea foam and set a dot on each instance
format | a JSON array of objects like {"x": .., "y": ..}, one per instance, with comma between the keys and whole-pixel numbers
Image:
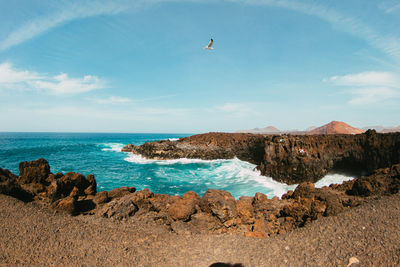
[
  {"x": 173, "y": 139},
  {"x": 332, "y": 179},
  {"x": 112, "y": 147},
  {"x": 141, "y": 160}
]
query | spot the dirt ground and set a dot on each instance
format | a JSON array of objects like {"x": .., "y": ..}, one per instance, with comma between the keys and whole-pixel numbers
[{"x": 31, "y": 235}]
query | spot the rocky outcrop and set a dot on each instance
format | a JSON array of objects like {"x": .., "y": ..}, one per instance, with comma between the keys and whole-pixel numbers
[
  {"x": 215, "y": 212},
  {"x": 9, "y": 186},
  {"x": 208, "y": 146},
  {"x": 286, "y": 158},
  {"x": 296, "y": 159}
]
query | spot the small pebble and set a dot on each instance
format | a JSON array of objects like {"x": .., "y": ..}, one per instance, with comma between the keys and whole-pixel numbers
[{"x": 353, "y": 260}]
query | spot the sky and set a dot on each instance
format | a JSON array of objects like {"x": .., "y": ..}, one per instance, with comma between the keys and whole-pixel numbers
[{"x": 140, "y": 66}]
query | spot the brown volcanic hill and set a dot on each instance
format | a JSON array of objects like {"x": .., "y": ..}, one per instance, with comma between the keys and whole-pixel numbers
[{"x": 335, "y": 127}]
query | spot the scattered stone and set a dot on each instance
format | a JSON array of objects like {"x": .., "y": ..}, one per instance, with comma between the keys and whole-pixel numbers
[{"x": 353, "y": 260}]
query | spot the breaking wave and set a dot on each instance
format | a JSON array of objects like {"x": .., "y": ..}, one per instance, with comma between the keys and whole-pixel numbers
[{"x": 112, "y": 147}]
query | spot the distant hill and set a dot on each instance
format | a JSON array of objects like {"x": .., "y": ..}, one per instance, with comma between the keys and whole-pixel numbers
[
  {"x": 266, "y": 130},
  {"x": 335, "y": 127},
  {"x": 382, "y": 129},
  {"x": 391, "y": 130},
  {"x": 378, "y": 128}
]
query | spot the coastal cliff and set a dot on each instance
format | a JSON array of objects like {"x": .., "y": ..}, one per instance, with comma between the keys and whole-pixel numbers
[{"x": 286, "y": 158}]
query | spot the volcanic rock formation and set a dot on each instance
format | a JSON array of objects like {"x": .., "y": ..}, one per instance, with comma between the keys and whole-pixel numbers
[
  {"x": 215, "y": 212},
  {"x": 287, "y": 158}
]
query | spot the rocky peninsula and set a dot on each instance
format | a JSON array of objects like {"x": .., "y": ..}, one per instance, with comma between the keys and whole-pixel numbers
[{"x": 291, "y": 159}]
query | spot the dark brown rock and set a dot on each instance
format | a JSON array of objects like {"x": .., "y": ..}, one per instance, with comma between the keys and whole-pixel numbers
[
  {"x": 101, "y": 198},
  {"x": 9, "y": 186},
  {"x": 66, "y": 205},
  {"x": 244, "y": 208},
  {"x": 219, "y": 203},
  {"x": 120, "y": 192},
  {"x": 183, "y": 208},
  {"x": 120, "y": 208},
  {"x": 35, "y": 171}
]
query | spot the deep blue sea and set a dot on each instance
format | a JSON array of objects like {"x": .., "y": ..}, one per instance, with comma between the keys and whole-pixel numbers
[{"x": 100, "y": 154}]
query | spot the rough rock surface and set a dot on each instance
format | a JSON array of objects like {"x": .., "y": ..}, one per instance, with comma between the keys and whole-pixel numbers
[
  {"x": 216, "y": 212},
  {"x": 209, "y": 146},
  {"x": 287, "y": 158}
]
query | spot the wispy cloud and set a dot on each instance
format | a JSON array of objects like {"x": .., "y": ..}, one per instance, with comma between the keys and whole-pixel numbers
[
  {"x": 11, "y": 78},
  {"x": 389, "y": 44},
  {"x": 112, "y": 100},
  {"x": 66, "y": 13},
  {"x": 369, "y": 87}
]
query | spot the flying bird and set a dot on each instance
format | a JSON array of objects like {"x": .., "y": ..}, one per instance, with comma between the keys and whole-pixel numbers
[{"x": 209, "y": 46}]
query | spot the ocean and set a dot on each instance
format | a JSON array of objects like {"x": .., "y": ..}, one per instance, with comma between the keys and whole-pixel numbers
[{"x": 100, "y": 154}]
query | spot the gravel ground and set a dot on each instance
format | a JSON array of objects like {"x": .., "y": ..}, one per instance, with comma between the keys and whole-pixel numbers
[{"x": 32, "y": 235}]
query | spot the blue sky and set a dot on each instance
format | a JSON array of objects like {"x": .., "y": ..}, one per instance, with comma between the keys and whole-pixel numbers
[{"x": 140, "y": 66}]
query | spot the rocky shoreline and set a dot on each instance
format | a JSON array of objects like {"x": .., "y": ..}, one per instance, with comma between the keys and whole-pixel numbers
[
  {"x": 291, "y": 159},
  {"x": 215, "y": 212}
]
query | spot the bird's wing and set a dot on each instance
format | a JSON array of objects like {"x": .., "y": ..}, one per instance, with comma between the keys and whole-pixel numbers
[{"x": 210, "y": 43}]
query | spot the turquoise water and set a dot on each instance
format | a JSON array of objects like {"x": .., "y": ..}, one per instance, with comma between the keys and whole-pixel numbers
[{"x": 99, "y": 154}]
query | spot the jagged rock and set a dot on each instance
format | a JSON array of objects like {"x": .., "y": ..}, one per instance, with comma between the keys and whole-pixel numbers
[
  {"x": 92, "y": 188},
  {"x": 382, "y": 181},
  {"x": 67, "y": 205},
  {"x": 35, "y": 171},
  {"x": 120, "y": 208},
  {"x": 183, "y": 208},
  {"x": 9, "y": 186},
  {"x": 219, "y": 203},
  {"x": 244, "y": 208},
  {"x": 142, "y": 200},
  {"x": 142, "y": 194},
  {"x": 161, "y": 202},
  {"x": 128, "y": 148},
  {"x": 120, "y": 192},
  {"x": 101, "y": 198},
  {"x": 63, "y": 186}
]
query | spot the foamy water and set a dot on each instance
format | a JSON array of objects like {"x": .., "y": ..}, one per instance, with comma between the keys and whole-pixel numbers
[
  {"x": 112, "y": 147},
  {"x": 236, "y": 176}
]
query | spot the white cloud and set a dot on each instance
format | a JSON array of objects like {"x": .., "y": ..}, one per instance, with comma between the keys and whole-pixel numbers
[
  {"x": 370, "y": 78},
  {"x": 9, "y": 76},
  {"x": 60, "y": 84},
  {"x": 369, "y": 87},
  {"x": 372, "y": 95},
  {"x": 112, "y": 100}
]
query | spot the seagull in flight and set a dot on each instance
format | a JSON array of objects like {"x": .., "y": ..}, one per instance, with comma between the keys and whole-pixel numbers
[{"x": 209, "y": 46}]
